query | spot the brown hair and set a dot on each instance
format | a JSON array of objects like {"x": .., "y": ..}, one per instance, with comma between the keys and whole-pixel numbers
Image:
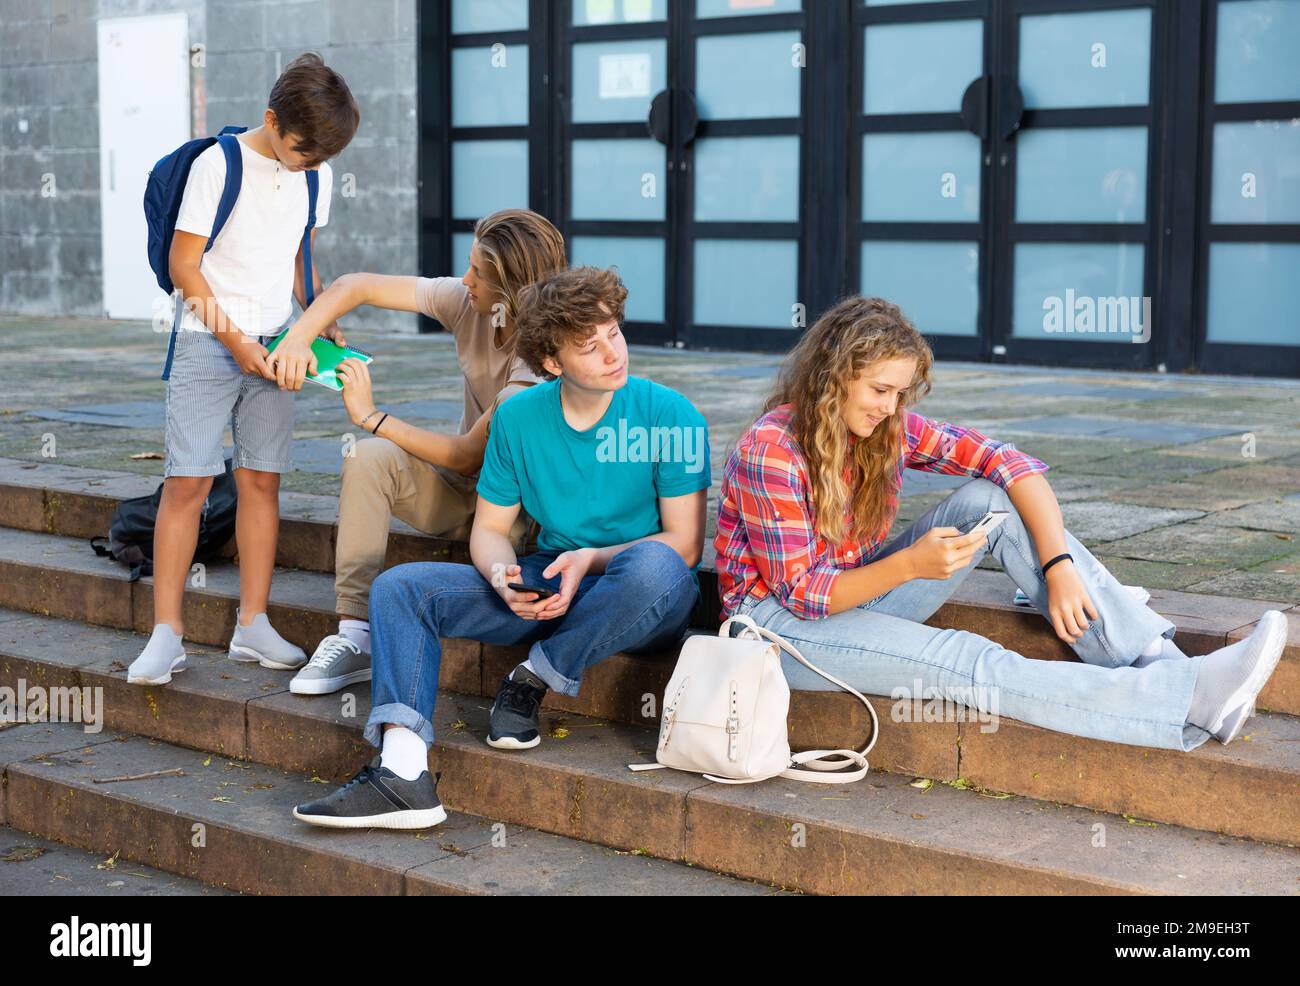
[
  {"x": 565, "y": 307},
  {"x": 311, "y": 101},
  {"x": 815, "y": 380},
  {"x": 517, "y": 247}
]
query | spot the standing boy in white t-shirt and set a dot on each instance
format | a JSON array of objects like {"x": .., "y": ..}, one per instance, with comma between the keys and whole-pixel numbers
[{"x": 238, "y": 296}]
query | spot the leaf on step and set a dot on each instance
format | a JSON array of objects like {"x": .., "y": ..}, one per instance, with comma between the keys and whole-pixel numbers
[
  {"x": 924, "y": 783},
  {"x": 117, "y": 666},
  {"x": 207, "y": 762},
  {"x": 918, "y": 816},
  {"x": 1137, "y": 821},
  {"x": 317, "y": 780},
  {"x": 22, "y": 854},
  {"x": 559, "y": 732},
  {"x": 146, "y": 455},
  {"x": 222, "y": 798},
  {"x": 110, "y": 863},
  {"x": 458, "y": 725}
]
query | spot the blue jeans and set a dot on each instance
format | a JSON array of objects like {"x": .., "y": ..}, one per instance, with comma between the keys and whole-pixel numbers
[
  {"x": 883, "y": 647},
  {"x": 642, "y": 602}
]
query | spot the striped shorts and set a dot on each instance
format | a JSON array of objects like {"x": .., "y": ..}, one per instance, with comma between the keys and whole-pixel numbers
[{"x": 206, "y": 392}]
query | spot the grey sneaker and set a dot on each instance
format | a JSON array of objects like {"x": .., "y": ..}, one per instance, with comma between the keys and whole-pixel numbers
[
  {"x": 378, "y": 798},
  {"x": 258, "y": 642},
  {"x": 162, "y": 655},
  {"x": 512, "y": 724},
  {"x": 337, "y": 663}
]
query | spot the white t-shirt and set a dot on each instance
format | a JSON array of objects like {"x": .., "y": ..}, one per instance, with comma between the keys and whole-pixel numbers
[{"x": 250, "y": 265}]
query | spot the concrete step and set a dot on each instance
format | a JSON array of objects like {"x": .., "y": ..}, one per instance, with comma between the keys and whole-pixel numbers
[
  {"x": 1249, "y": 789},
  {"x": 230, "y": 824},
  {"x": 31, "y": 866},
  {"x": 61, "y": 576},
  {"x": 78, "y": 503}
]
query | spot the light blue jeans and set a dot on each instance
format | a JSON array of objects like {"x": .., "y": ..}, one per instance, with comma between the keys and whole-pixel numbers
[{"x": 883, "y": 647}]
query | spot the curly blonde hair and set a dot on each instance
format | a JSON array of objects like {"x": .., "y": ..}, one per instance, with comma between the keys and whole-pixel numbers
[{"x": 814, "y": 379}]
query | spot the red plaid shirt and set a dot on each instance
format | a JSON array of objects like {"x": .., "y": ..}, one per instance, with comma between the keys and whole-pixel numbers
[{"x": 766, "y": 540}]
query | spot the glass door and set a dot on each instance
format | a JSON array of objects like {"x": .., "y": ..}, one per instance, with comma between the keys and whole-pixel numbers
[
  {"x": 738, "y": 141},
  {"x": 1250, "y": 235},
  {"x": 615, "y": 192},
  {"x": 680, "y": 135},
  {"x": 919, "y": 164},
  {"x": 1076, "y": 154}
]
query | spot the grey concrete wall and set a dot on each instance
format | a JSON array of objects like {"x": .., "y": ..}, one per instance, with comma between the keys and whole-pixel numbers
[{"x": 50, "y": 256}]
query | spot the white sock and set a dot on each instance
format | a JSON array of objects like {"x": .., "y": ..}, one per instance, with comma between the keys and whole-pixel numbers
[
  {"x": 357, "y": 631},
  {"x": 404, "y": 753},
  {"x": 1160, "y": 649}
]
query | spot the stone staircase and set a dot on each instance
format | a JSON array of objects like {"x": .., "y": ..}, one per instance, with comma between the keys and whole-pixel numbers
[{"x": 948, "y": 808}]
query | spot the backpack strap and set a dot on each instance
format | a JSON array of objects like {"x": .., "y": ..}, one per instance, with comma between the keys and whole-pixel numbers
[
  {"x": 308, "y": 281},
  {"x": 234, "y": 179},
  {"x": 803, "y": 766},
  {"x": 225, "y": 205}
]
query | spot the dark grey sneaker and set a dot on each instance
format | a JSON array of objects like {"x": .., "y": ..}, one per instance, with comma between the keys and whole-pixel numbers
[
  {"x": 513, "y": 722},
  {"x": 378, "y": 798}
]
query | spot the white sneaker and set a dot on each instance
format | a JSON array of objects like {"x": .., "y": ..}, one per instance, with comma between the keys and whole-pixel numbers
[
  {"x": 1265, "y": 649},
  {"x": 259, "y": 642},
  {"x": 162, "y": 655},
  {"x": 337, "y": 663}
]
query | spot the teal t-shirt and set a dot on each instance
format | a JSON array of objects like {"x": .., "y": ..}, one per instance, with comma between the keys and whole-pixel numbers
[{"x": 594, "y": 488}]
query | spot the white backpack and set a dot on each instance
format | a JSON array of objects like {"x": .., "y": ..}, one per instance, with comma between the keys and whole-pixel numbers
[{"x": 725, "y": 713}]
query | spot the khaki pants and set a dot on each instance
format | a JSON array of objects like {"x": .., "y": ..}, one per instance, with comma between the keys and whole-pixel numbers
[{"x": 382, "y": 481}]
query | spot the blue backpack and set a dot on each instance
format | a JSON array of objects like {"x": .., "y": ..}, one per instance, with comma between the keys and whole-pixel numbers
[{"x": 162, "y": 204}]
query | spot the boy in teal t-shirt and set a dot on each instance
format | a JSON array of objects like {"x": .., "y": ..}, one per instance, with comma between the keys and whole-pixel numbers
[
  {"x": 616, "y": 471},
  {"x": 598, "y": 486}
]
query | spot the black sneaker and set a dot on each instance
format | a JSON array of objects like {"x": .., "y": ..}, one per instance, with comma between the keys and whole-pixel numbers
[
  {"x": 513, "y": 723},
  {"x": 378, "y": 798}
]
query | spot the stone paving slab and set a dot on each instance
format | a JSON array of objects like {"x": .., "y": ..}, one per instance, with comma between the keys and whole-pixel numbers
[
  {"x": 31, "y": 866},
  {"x": 1152, "y": 431}
]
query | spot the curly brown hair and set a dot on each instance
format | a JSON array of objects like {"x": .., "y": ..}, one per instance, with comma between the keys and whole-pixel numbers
[
  {"x": 565, "y": 307},
  {"x": 313, "y": 102},
  {"x": 814, "y": 379}
]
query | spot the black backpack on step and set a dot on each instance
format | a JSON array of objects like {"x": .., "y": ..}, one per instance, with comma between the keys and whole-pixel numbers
[{"x": 130, "y": 536}]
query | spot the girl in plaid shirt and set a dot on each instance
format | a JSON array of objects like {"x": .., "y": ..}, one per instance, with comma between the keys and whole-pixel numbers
[{"x": 810, "y": 492}]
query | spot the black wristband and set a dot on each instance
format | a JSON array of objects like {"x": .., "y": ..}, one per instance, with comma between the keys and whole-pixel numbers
[
  {"x": 375, "y": 429},
  {"x": 1060, "y": 557}
]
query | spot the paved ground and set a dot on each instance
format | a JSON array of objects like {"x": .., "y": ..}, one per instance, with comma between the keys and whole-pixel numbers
[
  {"x": 1178, "y": 482},
  {"x": 34, "y": 867}
]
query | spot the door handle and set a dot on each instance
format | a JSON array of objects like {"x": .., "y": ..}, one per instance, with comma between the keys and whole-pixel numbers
[
  {"x": 659, "y": 123},
  {"x": 975, "y": 107},
  {"x": 688, "y": 117},
  {"x": 1011, "y": 108},
  {"x": 674, "y": 117}
]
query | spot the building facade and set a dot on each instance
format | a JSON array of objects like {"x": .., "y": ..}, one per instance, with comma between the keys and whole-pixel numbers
[{"x": 1068, "y": 182}]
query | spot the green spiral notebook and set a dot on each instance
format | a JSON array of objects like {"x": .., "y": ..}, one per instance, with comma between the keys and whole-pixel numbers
[{"x": 328, "y": 356}]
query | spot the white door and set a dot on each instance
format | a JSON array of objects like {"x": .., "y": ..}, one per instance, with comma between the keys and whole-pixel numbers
[{"x": 144, "y": 112}]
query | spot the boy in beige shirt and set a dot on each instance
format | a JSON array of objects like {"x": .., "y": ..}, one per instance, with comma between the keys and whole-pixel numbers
[{"x": 426, "y": 479}]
